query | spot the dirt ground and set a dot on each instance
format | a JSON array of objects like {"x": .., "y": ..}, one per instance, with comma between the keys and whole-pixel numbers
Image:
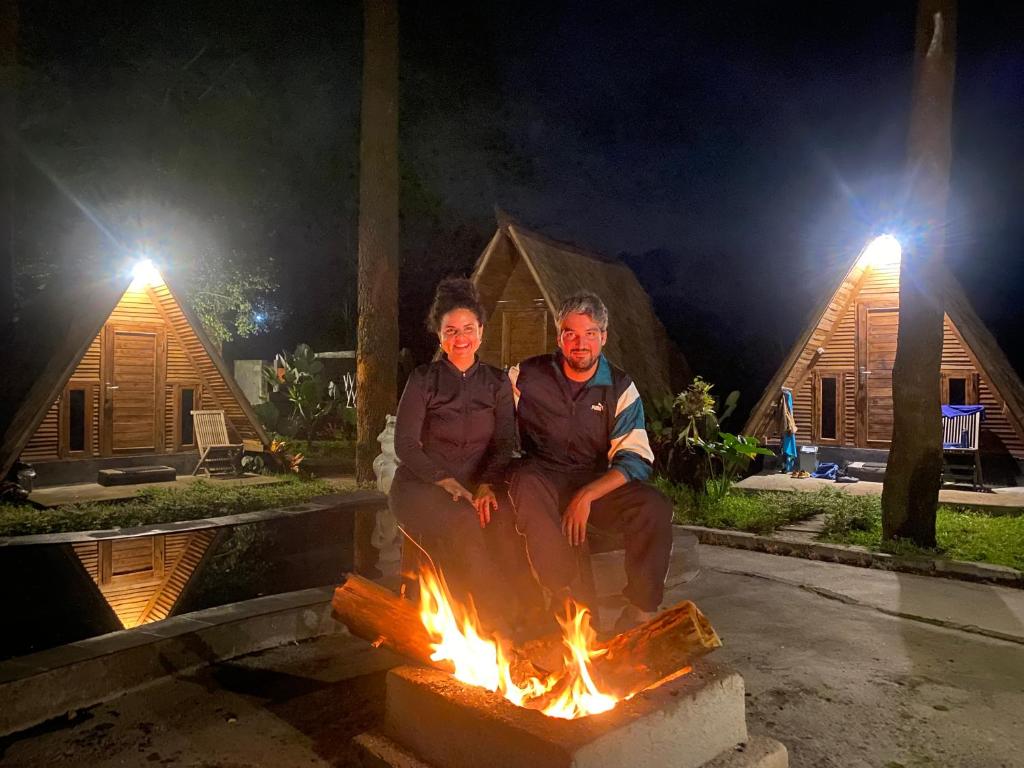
[{"x": 841, "y": 684}]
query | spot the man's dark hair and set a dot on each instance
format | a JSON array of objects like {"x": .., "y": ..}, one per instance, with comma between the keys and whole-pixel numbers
[
  {"x": 454, "y": 293},
  {"x": 585, "y": 303}
]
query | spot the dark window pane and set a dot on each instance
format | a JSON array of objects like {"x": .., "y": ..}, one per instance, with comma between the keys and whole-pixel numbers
[
  {"x": 957, "y": 392},
  {"x": 185, "y": 409},
  {"x": 76, "y": 420},
  {"x": 829, "y": 408}
]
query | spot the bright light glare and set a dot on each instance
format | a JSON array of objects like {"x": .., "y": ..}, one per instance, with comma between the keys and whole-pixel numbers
[
  {"x": 883, "y": 251},
  {"x": 145, "y": 273}
]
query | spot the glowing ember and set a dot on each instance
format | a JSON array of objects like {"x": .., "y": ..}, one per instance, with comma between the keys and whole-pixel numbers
[{"x": 458, "y": 638}]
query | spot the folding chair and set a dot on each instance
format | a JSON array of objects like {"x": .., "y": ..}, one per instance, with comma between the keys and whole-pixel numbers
[
  {"x": 217, "y": 454},
  {"x": 961, "y": 455}
]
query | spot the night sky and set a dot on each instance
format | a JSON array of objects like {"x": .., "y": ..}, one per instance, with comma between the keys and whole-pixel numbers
[{"x": 737, "y": 155}]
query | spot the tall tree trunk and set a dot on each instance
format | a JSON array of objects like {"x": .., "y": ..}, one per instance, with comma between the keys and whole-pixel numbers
[
  {"x": 913, "y": 475},
  {"x": 377, "y": 356},
  {"x": 8, "y": 152}
]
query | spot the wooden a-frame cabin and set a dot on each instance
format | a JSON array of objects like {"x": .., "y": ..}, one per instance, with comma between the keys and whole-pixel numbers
[
  {"x": 523, "y": 277},
  {"x": 840, "y": 371},
  {"x": 107, "y": 374}
]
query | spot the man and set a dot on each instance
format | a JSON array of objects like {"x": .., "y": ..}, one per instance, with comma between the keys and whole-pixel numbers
[{"x": 587, "y": 456}]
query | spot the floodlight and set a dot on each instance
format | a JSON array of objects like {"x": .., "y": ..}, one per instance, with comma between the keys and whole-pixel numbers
[
  {"x": 145, "y": 273},
  {"x": 883, "y": 251}
]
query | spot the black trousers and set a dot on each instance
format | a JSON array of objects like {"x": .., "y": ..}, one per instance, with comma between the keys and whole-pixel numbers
[
  {"x": 482, "y": 562},
  {"x": 636, "y": 510}
]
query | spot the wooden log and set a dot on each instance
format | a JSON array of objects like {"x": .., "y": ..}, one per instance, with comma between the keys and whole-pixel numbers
[
  {"x": 656, "y": 650},
  {"x": 381, "y": 617}
]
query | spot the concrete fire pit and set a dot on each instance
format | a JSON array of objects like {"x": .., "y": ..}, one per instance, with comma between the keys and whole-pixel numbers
[{"x": 693, "y": 721}]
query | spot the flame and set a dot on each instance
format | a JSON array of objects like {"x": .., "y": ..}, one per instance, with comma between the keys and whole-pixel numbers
[{"x": 457, "y": 638}]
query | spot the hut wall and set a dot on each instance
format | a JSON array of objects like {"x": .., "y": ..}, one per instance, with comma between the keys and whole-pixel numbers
[
  {"x": 521, "y": 324},
  {"x": 215, "y": 390},
  {"x": 837, "y": 335},
  {"x": 187, "y": 365}
]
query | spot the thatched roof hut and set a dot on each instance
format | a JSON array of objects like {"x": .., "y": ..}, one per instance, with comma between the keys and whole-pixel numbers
[{"x": 524, "y": 276}]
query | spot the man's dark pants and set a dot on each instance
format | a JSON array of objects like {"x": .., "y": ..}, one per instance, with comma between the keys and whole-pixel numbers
[{"x": 636, "y": 510}]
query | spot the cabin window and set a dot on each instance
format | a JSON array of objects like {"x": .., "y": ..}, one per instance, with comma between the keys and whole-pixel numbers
[
  {"x": 76, "y": 420},
  {"x": 957, "y": 391},
  {"x": 829, "y": 399},
  {"x": 186, "y": 402}
]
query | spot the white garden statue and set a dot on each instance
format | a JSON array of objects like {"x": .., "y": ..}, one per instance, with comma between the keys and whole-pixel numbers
[{"x": 384, "y": 467}]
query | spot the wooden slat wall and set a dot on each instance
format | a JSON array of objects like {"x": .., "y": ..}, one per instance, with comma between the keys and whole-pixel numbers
[
  {"x": 45, "y": 441},
  {"x": 189, "y": 550},
  {"x": 521, "y": 293},
  {"x": 215, "y": 388},
  {"x": 88, "y": 554}
]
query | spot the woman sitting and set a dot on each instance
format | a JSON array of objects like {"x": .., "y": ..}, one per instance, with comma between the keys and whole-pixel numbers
[{"x": 454, "y": 436}]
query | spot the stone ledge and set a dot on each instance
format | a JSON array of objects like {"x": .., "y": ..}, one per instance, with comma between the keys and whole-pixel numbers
[
  {"x": 51, "y": 683},
  {"x": 858, "y": 556}
]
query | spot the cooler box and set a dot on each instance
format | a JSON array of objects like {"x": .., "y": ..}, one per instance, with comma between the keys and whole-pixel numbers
[{"x": 808, "y": 458}]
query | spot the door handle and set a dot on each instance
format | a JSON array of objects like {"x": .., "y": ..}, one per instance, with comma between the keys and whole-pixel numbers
[
  {"x": 864, "y": 373},
  {"x": 112, "y": 386}
]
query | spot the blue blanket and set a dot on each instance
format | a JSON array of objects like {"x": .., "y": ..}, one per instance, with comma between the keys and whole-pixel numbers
[{"x": 949, "y": 411}]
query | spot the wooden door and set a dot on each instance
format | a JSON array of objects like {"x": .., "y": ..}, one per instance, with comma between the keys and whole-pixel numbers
[
  {"x": 133, "y": 392},
  {"x": 877, "y": 326},
  {"x": 523, "y": 334}
]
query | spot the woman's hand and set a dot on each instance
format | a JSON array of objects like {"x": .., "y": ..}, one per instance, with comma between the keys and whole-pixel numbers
[
  {"x": 485, "y": 502},
  {"x": 456, "y": 489}
]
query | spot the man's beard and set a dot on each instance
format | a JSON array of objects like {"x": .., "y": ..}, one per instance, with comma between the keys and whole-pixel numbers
[{"x": 581, "y": 364}]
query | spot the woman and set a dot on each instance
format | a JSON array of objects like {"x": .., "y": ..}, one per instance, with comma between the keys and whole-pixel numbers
[{"x": 454, "y": 436}]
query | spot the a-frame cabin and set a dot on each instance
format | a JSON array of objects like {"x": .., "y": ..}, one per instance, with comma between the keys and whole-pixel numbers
[
  {"x": 840, "y": 371},
  {"x": 523, "y": 277},
  {"x": 107, "y": 376}
]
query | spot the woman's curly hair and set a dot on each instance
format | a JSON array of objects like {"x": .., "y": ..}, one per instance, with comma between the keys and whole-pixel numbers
[{"x": 454, "y": 293}]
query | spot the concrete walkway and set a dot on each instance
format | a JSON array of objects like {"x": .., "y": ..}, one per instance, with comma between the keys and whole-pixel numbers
[
  {"x": 1000, "y": 497},
  {"x": 848, "y": 667}
]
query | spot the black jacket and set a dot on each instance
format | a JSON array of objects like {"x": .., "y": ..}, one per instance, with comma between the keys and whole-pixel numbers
[
  {"x": 601, "y": 428},
  {"x": 455, "y": 424}
]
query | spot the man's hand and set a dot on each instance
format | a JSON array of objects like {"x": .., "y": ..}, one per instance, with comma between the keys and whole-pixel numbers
[
  {"x": 574, "y": 519},
  {"x": 485, "y": 502},
  {"x": 456, "y": 489}
]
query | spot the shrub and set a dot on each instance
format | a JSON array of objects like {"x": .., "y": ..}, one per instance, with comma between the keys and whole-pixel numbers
[{"x": 198, "y": 500}]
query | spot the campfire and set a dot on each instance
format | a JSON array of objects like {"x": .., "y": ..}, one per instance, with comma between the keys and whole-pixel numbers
[{"x": 592, "y": 678}]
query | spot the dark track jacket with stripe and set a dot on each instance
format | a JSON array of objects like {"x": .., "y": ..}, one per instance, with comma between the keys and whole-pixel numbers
[{"x": 602, "y": 428}]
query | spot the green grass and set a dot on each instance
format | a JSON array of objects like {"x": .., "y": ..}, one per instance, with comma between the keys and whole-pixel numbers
[
  {"x": 321, "y": 449},
  {"x": 962, "y": 534},
  {"x": 759, "y": 512},
  {"x": 973, "y": 535},
  {"x": 161, "y": 505}
]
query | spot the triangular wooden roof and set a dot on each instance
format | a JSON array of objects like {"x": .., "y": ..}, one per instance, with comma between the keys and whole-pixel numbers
[
  {"x": 49, "y": 339},
  {"x": 637, "y": 340},
  {"x": 986, "y": 353}
]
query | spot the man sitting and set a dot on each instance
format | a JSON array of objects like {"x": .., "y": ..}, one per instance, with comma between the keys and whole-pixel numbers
[{"x": 581, "y": 423}]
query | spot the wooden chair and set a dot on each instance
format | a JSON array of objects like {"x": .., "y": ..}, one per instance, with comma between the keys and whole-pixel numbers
[
  {"x": 961, "y": 455},
  {"x": 217, "y": 454}
]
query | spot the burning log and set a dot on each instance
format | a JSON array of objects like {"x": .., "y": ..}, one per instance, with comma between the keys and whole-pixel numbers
[
  {"x": 656, "y": 650},
  {"x": 381, "y": 617},
  {"x": 633, "y": 661}
]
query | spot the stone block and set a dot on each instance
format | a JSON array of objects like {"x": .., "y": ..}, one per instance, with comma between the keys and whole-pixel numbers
[{"x": 681, "y": 724}]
